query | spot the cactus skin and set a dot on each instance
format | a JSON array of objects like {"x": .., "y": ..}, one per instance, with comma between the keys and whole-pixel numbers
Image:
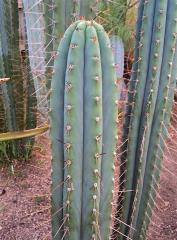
[
  {"x": 57, "y": 129},
  {"x": 10, "y": 61},
  {"x": 58, "y": 15},
  {"x": 118, "y": 51},
  {"x": 35, "y": 52},
  {"x": 17, "y": 105},
  {"x": 110, "y": 111},
  {"x": 153, "y": 98},
  {"x": 161, "y": 120},
  {"x": 83, "y": 126},
  {"x": 6, "y": 66}
]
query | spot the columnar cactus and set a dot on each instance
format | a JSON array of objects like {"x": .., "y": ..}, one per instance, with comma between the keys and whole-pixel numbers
[
  {"x": 34, "y": 35},
  {"x": 17, "y": 106},
  {"x": 83, "y": 133},
  {"x": 151, "y": 95},
  {"x": 58, "y": 16},
  {"x": 8, "y": 50}
]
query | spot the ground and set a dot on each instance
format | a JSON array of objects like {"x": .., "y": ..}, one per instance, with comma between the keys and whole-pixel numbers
[
  {"x": 164, "y": 222},
  {"x": 25, "y": 199}
]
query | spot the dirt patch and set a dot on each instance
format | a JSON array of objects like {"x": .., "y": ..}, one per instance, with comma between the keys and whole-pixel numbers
[
  {"x": 25, "y": 199},
  {"x": 164, "y": 221}
]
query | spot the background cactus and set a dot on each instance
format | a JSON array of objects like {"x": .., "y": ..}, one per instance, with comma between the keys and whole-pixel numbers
[
  {"x": 118, "y": 52},
  {"x": 151, "y": 94},
  {"x": 18, "y": 95},
  {"x": 59, "y": 15},
  {"x": 35, "y": 47},
  {"x": 83, "y": 133},
  {"x": 17, "y": 105}
]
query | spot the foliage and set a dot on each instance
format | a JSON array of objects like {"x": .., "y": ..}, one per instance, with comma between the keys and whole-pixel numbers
[{"x": 118, "y": 18}]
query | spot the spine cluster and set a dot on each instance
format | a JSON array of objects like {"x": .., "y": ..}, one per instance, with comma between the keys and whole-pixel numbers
[{"x": 83, "y": 133}]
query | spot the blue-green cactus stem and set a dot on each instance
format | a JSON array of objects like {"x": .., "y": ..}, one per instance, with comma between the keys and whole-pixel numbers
[
  {"x": 73, "y": 131},
  {"x": 93, "y": 130},
  {"x": 161, "y": 119},
  {"x": 57, "y": 130},
  {"x": 83, "y": 133},
  {"x": 137, "y": 106},
  {"x": 132, "y": 88},
  {"x": 150, "y": 97},
  {"x": 59, "y": 15},
  {"x": 109, "y": 132},
  {"x": 150, "y": 114}
]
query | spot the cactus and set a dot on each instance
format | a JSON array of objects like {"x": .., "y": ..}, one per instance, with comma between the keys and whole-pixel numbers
[
  {"x": 151, "y": 94},
  {"x": 83, "y": 133},
  {"x": 17, "y": 105},
  {"x": 118, "y": 51},
  {"x": 35, "y": 41},
  {"x": 58, "y": 16},
  {"x": 8, "y": 69}
]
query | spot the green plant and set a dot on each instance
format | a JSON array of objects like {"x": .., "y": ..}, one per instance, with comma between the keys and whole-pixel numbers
[
  {"x": 118, "y": 18},
  {"x": 17, "y": 106},
  {"x": 58, "y": 16},
  {"x": 150, "y": 100},
  {"x": 32, "y": 19},
  {"x": 39, "y": 199},
  {"x": 83, "y": 133},
  {"x": 18, "y": 103}
]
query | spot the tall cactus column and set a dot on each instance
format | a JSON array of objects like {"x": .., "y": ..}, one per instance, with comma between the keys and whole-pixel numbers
[
  {"x": 17, "y": 95},
  {"x": 83, "y": 134},
  {"x": 93, "y": 129},
  {"x": 151, "y": 105}
]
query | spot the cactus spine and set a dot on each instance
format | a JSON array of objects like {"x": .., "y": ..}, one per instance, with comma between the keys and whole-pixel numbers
[
  {"x": 17, "y": 105},
  {"x": 151, "y": 96},
  {"x": 58, "y": 16},
  {"x": 34, "y": 35},
  {"x": 83, "y": 133}
]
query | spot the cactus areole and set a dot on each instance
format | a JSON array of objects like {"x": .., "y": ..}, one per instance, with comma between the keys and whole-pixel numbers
[{"x": 83, "y": 133}]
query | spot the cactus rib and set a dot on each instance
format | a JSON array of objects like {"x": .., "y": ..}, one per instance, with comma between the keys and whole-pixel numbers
[
  {"x": 84, "y": 87},
  {"x": 150, "y": 114}
]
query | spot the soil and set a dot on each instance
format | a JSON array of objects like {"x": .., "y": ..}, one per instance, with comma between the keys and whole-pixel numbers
[
  {"x": 25, "y": 198},
  {"x": 164, "y": 222}
]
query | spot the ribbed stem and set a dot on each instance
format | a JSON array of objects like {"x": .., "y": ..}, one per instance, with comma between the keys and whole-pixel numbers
[
  {"x": 83, "y": 101},
  {"x": 161, "y": 119},
  {"x": 57, "y": 131},
  {"x": 135, "y": 118}
]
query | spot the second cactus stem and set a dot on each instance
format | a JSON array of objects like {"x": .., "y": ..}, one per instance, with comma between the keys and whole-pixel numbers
[
  {"x": 150, "y": 100},
  {"x": 83, "y": 134}
]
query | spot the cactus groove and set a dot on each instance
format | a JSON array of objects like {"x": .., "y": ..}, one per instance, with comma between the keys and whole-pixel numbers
[
  {"x": 58, "y": 15},
  {"x": 151, "y": 97},
  {"x": 83, "y": 133},
  {"x": 17, "y": 106}
]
